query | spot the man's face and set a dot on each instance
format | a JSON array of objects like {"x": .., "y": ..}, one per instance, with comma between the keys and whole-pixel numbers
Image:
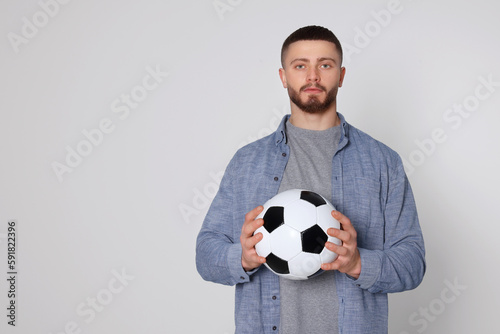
[{"x": 312, "y": 74}]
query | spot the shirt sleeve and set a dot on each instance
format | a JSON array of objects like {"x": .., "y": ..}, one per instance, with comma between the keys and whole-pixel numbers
[
  {"x": 400, "y": 265},
  {"x": 218, "y": 248}
]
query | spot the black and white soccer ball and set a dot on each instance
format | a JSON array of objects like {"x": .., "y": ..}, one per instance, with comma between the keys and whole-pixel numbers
[{"x": 294, "y": 234}]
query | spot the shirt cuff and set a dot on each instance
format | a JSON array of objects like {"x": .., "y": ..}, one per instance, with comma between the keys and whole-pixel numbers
[
  {"x": 234, "y": 263},
  {"x": 371, "y": 265}
]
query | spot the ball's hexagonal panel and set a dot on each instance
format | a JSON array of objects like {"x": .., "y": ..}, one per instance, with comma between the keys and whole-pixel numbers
[
  {"x": 263, "y": 247},
  {"x": 304, "y": 265},
  {"x": 300, "y": 215},
  {"x": 313, "y": 198},
  {"x": 277, "y": 264},
  {"x": 281, "y": 199},
  {"x": 273, "y": 218},
  {"x": 325, "y": 218},
  {"x": 285, "y": 242},
  {"x": 319, "y": 272},
  {"x": 327, "y": 256},
  {"x": 313, "y": 239}
]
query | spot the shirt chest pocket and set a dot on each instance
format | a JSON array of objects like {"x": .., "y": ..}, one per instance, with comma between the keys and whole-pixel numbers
[{"x": 364, "y": 205}]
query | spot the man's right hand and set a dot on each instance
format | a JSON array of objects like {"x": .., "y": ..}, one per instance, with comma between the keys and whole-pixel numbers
[{"x": 249, "y": 258}]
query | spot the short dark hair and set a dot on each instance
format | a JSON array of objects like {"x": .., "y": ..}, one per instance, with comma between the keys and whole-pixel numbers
[{"x": 311, "y": 33}]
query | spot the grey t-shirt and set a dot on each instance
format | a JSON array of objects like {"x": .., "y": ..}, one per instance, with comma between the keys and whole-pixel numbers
[{"x": 309, "y": 306}]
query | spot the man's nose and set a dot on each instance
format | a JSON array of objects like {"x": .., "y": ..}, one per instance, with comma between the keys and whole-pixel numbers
[{"x": 313, "y": 75}]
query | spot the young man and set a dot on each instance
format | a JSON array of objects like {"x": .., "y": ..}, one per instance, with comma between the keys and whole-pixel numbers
[{"x": 314, "y": 148}]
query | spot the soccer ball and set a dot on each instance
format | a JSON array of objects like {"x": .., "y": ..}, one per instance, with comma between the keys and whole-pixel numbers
[{"x": 294, "y": 230}]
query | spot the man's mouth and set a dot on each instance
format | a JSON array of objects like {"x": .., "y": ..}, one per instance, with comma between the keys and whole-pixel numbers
[{"x": 313, "y": 90}]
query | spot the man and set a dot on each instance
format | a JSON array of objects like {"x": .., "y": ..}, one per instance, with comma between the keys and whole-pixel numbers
[{"x": 314, "y": 148}]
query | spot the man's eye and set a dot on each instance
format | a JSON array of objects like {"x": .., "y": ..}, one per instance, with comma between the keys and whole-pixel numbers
[
  {"x": 299, "y": 67},
  {"x": 326, "y": 66}
]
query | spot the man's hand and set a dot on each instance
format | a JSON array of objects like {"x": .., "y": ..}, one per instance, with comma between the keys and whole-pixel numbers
[
  {"x": 249, "y": 258},
  {"x": 348, "y": 260}
]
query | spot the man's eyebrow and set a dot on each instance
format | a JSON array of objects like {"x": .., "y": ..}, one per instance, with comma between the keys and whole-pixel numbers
[
  {"x": 306, "y": 60},
  {"x": 327, "y": 58}
]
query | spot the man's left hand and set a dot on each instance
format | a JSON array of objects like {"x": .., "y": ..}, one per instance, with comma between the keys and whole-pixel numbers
[{"x": 348, "y": 260}]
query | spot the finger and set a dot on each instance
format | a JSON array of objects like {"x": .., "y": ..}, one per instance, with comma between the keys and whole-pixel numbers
[
  {"x": 250, "y": 227},
  {"x": 256, "y": 261},
  {"x": 330, "y": 266},
  {"x": 344, "y": 236},
  {"x": 261, "y": 259},
  {"x": 251, "y": 215},
  {"x": 337, "y": 249},
  {"x": 335, "y": 232},
  {"x": 343, "y": 220},
  {"x": 251, "y": 223},
  {"x": 346, "y": 225},
  {"x": 253, "y": 240},
  {"x": 249, "y": 253},
  {"x": 250, "y": 259}
]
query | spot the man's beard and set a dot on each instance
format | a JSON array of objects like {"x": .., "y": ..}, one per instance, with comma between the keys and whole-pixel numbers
[{"x": 313, "y": 105}]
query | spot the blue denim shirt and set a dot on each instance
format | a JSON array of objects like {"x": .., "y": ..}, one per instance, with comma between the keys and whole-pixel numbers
[{"x": 369, "y": 186}]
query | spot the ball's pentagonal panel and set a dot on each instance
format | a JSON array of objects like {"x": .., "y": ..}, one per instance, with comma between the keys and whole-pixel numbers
[
  {"x": 263, "y": 247},
  {"x": 273, "y": 218},
  {"x": 300, "y": 215},
  {"x": 303, "y": 265},
  {"x": 325, "y": 221},
  {"x": 312, "y": 198},
  {"x": 277, "y": 264},
  {"x": 313, "y": 239},
  {"x": 285, "y": 242},
  {"x": 280, "y": 200}
]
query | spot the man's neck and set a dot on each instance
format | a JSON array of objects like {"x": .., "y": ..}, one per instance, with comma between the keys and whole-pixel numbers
[{"x": 316, "y": 121}]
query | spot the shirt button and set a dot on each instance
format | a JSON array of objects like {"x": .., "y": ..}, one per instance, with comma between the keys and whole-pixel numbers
[
  {"x": 276, "y": 178},
  {"x": 275, "y": 328},
  {"x": 242, "y": 278},
  {"x": 274, "y": 297},
  {"x": 283, "y": 154}
]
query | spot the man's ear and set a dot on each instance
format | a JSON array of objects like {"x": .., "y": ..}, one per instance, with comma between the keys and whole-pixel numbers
[
  {"x": 283, "y": 77},
  {"x": 342, "y": 74}
]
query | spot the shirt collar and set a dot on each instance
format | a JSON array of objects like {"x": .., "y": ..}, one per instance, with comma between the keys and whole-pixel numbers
[
  {"x": 280, "y": 134},
  {"x": 344, "y": 132}
]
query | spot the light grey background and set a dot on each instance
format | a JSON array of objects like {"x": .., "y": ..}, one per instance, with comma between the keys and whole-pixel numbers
[{"x": 133, "y": 205}]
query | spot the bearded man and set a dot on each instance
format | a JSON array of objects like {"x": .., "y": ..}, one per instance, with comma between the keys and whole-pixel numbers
[{"x": 314, "y": 148}]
